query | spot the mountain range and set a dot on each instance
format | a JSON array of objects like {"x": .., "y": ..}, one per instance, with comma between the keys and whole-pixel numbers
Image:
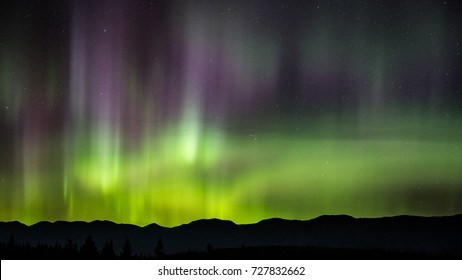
[{"x": 436, "y": 237}]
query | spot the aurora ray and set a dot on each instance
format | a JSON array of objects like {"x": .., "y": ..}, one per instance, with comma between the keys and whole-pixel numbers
[{"x": 167, "y": 112}]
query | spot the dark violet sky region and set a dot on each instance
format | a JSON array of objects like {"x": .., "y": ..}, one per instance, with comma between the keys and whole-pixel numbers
[{"x": 172, "y": 111}]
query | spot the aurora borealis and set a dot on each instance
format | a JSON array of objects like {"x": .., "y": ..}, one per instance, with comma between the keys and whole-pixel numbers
[{"x": 172, "y": 111}]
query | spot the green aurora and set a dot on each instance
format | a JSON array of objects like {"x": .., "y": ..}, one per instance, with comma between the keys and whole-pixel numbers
[
  {"x": 252, "y": 112},
  {"x": 246, "y": 178}
]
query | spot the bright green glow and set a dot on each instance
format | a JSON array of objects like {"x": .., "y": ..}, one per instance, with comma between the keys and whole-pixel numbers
[
  {"x": 100, "y": 169},
  {"x": 234, "y": 111},
  {"x": 172, "y": 179}
]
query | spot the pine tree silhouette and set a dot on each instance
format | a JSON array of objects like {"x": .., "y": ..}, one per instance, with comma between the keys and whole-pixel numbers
[
  {"x": 159, "y": 249},
  {"x": 127, "y": 250},
  {"x": 11, "y": 247},
  {"x": 56, "y": 251},
  {"x": 70, "y": 249},
  {"x": 108, "y": 250},
  {"x": 88, "y": 249}
]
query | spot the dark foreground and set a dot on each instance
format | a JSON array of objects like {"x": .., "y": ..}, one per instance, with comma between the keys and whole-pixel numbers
[{"x": 326, "y": 237}]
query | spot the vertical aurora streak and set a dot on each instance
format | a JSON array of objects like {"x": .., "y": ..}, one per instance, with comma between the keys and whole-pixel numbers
[{"x": 167, "y": 112}]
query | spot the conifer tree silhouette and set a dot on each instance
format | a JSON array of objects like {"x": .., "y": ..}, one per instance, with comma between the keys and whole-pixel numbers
[
  {"x": 88, "y": 249},
  {"x": 11, "y": 247},
  {"x": 70, "y": 249},
  {"x": 159, "y": 249},
  {"x": 56, "y": 251},
  {"x": 108, "y": 250},
  {"x": 127, "y": 250}
]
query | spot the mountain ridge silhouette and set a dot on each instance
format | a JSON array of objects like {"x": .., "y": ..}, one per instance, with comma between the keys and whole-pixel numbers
[{"x": 417, "y": 234}]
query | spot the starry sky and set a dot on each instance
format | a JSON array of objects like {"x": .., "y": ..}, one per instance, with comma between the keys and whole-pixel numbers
[{"x": 172, "y": 111}]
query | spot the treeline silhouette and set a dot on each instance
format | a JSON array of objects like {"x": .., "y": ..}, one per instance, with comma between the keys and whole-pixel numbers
[
  {"x": 72, "y": 250},
  {"x": 324, "y": 237},
  {"x": 89, "y": 251}
]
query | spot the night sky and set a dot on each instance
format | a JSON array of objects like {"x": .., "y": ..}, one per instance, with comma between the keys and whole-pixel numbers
[{"x": 172, "y": 111}]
